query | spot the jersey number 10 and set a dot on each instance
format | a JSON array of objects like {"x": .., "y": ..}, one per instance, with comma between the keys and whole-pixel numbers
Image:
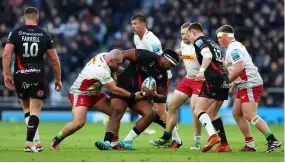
[{"x": 34, "y": 49}]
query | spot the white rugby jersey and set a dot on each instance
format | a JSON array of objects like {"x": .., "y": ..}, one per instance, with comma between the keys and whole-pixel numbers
[
  {"x": 250, "y": 76},
  {"x": 151, "y": 43},
  {"x": 91, "y": 79},
  {"x": 190, "y": 60}
]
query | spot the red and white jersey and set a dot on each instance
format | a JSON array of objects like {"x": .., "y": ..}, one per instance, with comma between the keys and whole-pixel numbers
[
  {"x": 91, "y": 79},
  {"x": 151, "y": 43},
  {"x": 250, "y": 76},
  {"x": 190, "y": 60}
]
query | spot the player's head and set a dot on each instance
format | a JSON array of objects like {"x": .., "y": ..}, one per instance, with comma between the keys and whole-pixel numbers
[
  {"x": 194, "y": 31},
  {"x": 138, "y": 22},
  {"x": 31, "y": 15},
  {"x": 225, "y": 35},
  {"x": 169, "y": 59},
  {"x": 183, "y": 31},
  {"x": 115, "y": 59}
]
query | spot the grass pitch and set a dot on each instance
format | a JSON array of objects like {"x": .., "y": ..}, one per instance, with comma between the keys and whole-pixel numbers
[{"x": 80, "y": 146}]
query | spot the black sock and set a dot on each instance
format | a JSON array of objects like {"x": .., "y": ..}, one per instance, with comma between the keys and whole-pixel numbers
[
  {"x": 27, "y": 114},
  {"x": 219, "y": 126},
  {"x": 159, "y": 121},
  {"x": 271, "y": 138},
  {"x": 137, "y": 131},
  {"x": 166, "y": 135},
  {"x": 32, "y": 127},
  {"x": 109, "y": 136}
]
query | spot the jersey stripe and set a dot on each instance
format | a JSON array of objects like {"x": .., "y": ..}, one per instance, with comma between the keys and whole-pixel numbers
[{"x": 86, "y": 84}]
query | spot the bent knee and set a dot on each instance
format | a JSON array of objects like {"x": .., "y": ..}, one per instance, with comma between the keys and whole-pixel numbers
[{"x": 79, "y": 124}]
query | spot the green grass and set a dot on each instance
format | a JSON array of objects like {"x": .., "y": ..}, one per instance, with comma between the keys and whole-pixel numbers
[{"x": 80, "y": 146}]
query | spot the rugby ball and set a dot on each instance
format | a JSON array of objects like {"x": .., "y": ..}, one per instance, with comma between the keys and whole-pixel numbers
[{"x": 148, "y": 84}]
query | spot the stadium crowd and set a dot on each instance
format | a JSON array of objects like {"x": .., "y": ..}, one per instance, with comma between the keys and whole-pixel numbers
[{"x": 82, "y": 28}]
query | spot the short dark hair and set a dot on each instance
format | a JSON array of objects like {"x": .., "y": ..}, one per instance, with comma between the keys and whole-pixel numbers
[
  {"x": 139, "y": 17},
  {"x": 225, "y": 28},
  {"x": 31, "y": 13},
  {"x": 196, "y": 26},
  {"x": 185, "y": 25}
]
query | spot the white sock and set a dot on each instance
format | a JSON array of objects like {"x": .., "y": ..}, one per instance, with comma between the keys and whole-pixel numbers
[
  {"x": 131, "y": 136},
  {"x": 197, "y": 138},
  {"x": 37, "y": 136},
  {"x": 175, "y": 135},
  {"x": 250, "y": 144},
  {"x": 207, "y": 123}
]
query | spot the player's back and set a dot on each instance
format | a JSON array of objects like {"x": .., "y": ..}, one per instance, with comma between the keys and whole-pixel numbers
[
  {"x": 30, "y": 44},
  {"x": 216, "y": 68},
  {"x": 250, "y": 74}
]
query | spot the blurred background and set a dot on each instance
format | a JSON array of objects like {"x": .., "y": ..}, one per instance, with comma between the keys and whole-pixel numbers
[{"x": 83, "y": 28}]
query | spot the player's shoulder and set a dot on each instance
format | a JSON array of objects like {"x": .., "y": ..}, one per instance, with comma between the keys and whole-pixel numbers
[
  {"x": 235, "y": 46},
  {"x": 200, "y": 41},
  {"x": 151, "y": 36}
]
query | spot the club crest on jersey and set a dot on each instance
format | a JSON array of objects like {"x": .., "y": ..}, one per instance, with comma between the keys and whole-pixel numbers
[{"x": 40, "y": 93}]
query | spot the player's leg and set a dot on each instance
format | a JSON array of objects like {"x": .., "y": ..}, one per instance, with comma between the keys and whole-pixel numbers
[
  {"x": 196, "y": 125},
  {"x": 202, "y": 104},
  {"x": 80, "y": 105},
  {"x": 26, "y": 109},
  {"x": 244, "y": 127},
  {"x": 144, "y": 108},
  {"x": 178, "y": 98},
  {"x": 219, "y": 126},
  {"x": 35, "y": 109},
  {"x": 118, "y": 107},
  {"x": 249, "y": 106}
]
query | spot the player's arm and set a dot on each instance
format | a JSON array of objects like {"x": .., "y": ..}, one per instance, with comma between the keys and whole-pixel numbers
[
  {"x": 134, "y": 55},
  {"x": 112, "y": 87},
  {"x": 207, "y": 58},
  {"x": 55, "y": 64},
  {"x": 161, "y": 95},
  {"x": 179, "y": 52},
  {"x": 6, "y": 60},
  {"x": 238, "y": 64}
]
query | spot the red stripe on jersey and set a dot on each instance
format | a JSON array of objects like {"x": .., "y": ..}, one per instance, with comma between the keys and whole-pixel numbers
[
  {"x": 139, "y": 82},
  {"x": 243, "y": 75},
  {"x": 216, "y": 68},
  {"x": 86, "y": 84},
  {"x": 20, "y": 66}
]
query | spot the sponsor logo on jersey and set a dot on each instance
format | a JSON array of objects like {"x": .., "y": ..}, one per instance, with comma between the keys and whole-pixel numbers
[
  {"x": 188, "y": 57},
  {"x": 40, "y": 93},
  {"x": 199, "y": 43},
  {"x": 94, "y": 60},
  {"x": 32, "y": 70},
  {"x": 155, "y": 48},
  {"x": 235, "y": 55}
]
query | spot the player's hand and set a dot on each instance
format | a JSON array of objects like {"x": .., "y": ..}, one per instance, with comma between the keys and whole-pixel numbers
[
  {"x": 149, "y": 92},
  {"x": 9, "y": 83},
  {"x": 200, "y": 76},
  {"x": 58, "y": 86},
  {"x": 139, "y": 95},
  {"x": 232, "y": 87}
]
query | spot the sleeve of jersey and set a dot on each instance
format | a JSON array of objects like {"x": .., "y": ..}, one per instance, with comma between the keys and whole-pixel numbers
[
  {"x": 102, "y": 75},
  {"x": 200, "y": 44},
  {"x": 145, "y": 55},
  {"x": 50, "y": 44},
  {"x": 155, "y": 45},
  {"x": 235, "y": 56},
  {"x": 11, "y": 38}
]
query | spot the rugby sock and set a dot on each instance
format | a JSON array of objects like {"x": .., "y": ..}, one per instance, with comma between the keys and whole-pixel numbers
[
  {"x": 206, "y": 122},
  {"x": 109, "y": 137},
  {"x": 159, "y": 121},
  {"x": 58, "y": 138},
  {"x": 197, "y": 138},
  {"x": 249, "y": 142},
  {"x": 37, "y": 136},
  {"x": 269, "y": 136},
  {"x": 166, "y": 135},
  {"x": 175, "y": 135},
  {"x": 219, "y": 126},
  {"x": 32, "y": 127},
  {"x": 132, "y": 134}
]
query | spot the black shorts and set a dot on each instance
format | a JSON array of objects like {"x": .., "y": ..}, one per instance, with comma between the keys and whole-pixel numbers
[
  {"x": 30, "y": 86},
  {"x": 216, "y": 90}
]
